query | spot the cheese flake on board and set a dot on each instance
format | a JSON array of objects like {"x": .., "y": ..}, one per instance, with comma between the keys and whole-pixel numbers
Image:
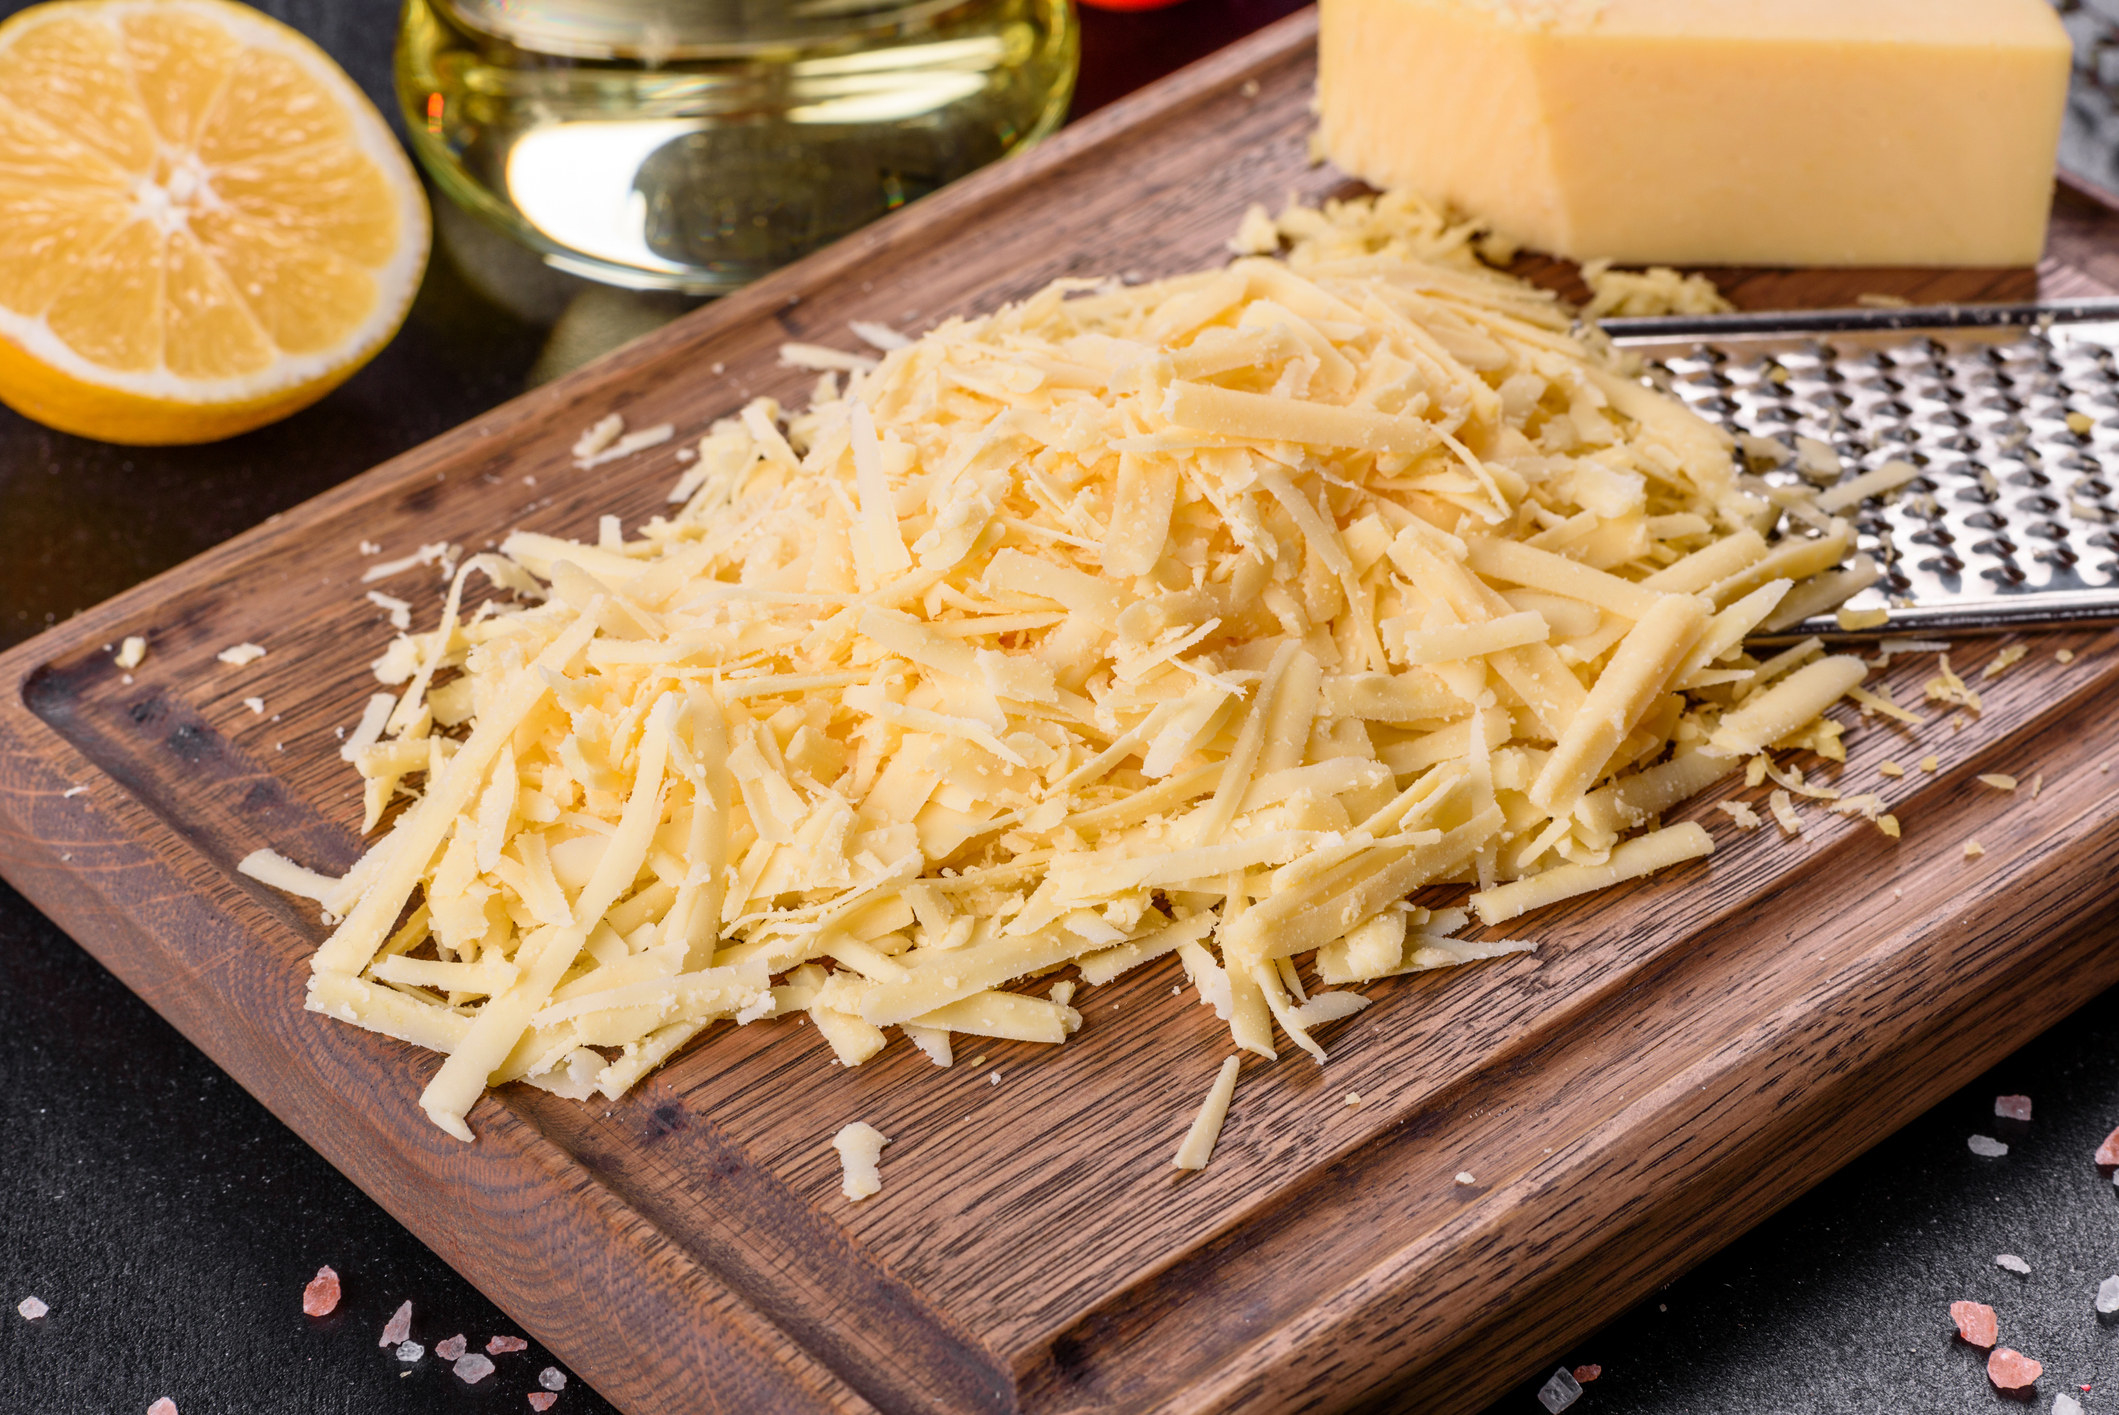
[
  {"x": 1219, "y": 615},
  {"x": 860, "y": 1146}
]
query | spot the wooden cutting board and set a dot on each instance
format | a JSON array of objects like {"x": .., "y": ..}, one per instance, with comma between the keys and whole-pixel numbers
[{"x": 1676, "y": 1061}]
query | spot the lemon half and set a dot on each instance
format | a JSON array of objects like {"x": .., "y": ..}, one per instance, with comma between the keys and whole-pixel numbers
[{"x": 204, "y": 225}]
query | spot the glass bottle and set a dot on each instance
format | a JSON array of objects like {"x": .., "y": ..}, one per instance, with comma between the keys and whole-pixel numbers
[{"x": 696, "y": 144}]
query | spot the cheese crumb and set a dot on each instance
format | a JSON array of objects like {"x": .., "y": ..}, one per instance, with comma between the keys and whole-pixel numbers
[
  {"x": 1930, "y": 763},
  {"x": 1352, "y": 1098},
  {"x": 1891, "y": 769},
  {"x": 131, "y": 652},
  {"x": 1973, "y": 850},
  {"x": 2001, "y": 661},
  {"x": 1999, "y": 780},
  {"x": 256, "y": 706},
  {"x": 2037, "y": 783},
  {"x": 1742, "y": 814},
  {"x": 2080, "y": 424},
  {"x": 1465, "y": 1177},
  {"x": 1783, "y": 810},
  {"x": 860, "y": 1146},
  {"x": 2064, "y": 655},
  {"x": 240, "y": 654}
]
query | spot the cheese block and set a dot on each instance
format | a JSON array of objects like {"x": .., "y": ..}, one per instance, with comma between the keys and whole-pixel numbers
[{"x": 1711, "y": 132}]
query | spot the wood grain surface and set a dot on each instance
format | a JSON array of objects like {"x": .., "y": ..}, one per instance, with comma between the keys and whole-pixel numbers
[{"x": 1675, "y": 1061}]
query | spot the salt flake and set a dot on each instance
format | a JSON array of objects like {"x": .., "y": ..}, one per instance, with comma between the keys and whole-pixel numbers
[
  {"x": 320, "y": 1297},
  {"x": 2066, "y": 1405},
  {"x": 1976, "y": 1322},
  {"x": 164, "y": 1406},
  {"x": 398, "y": 1327},
  {"x": 1987, "y": 1146},
  {"x": 552, "y": 1378},
  {"x": 32, "y": 1308},
  {"x": 2012, "y": 1107},
  {"x": 2107, "y": 1155},
  {"x": 1561, "y": 1391},
  {"x": 502, "y": 1345},
  {"x": 410, "y": 1351},
  {"x": 449, "y": 1348},
  {"x": 2013, "y": 1263},
  {"x": 473, "y": 1368},
  {"x": 2012, "y": 1370},
  {"x": 2108, "y": 1295}
]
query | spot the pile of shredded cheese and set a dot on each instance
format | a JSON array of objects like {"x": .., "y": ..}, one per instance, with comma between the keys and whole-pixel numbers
[{"x": 1214, "y": 616}]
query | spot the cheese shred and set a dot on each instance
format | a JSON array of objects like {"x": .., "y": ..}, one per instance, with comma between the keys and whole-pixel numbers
[{"x": 1216, "y": 616}]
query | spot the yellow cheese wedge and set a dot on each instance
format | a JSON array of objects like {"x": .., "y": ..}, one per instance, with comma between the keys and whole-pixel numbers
[{"x": 1741, "y": 132}]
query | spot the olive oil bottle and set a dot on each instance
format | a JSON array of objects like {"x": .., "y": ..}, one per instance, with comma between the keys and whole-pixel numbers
[{"x": 696, "y": 144}]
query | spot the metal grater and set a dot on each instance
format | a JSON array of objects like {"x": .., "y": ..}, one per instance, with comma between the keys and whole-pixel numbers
[{"x": 2014, "y": 521}]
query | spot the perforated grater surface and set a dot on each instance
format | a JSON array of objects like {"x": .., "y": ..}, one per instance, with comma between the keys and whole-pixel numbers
[{"x": 2014, "y": 521}]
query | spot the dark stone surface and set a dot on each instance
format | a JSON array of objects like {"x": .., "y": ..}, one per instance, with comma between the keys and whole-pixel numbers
[{"x": 171, "y": 1222}]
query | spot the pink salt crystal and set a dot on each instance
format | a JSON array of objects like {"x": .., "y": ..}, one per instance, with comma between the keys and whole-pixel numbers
[
  {"x": 320, "y": 1297},
  {"x": 1585, "y": 1374},
  {"x": 31, "y": 1308},
  {"x": 2107, "y": 1155},
  {"x": 552, "y": 1378},
  {"x": 1976, "y": 1322},
  {"x": 542, "y": 1399},
  {"x": 2012, "y": 1370},
  {"x": 502, "y": 1345},
  {"x": 164, "y": 1406},
  {"x": 449, "y": 1348},
  {"x": 398, "y": 1327},
  {"x": 2013, "y": 1107},
  {"x": 473, "y": 1368}
]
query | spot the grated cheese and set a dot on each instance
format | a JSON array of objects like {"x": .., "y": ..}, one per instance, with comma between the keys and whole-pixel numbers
[
  {"x": 1213, "y": 616},
  {"x": 1658, "y": 290},
  {"x": 1198, "y": 1145},
  {"x": 2000, "y": 781},
  {"x": 131, "y": 653},
  {"x": 1855, "y": 620},
  {"x": 399, "y": 611},
  {"x": 1973, "y": 850},
  {"x": 2002, "y": 661},
  {"x": 240, "y": 654}
]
